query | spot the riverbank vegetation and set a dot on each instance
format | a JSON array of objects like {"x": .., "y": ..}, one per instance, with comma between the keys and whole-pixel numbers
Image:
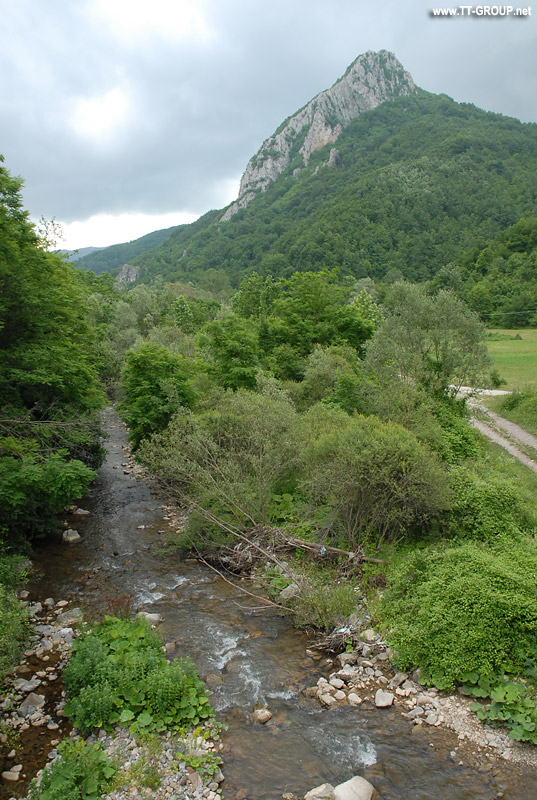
[
  {"x": 49, "y": 394},
  {"x": 316, "y": 438},
  {"x": 118, "y": 678}
]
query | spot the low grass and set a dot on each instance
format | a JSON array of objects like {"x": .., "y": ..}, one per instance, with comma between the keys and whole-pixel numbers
[
  {"x": 520, "y": 408},
  {"x": 514, "y": 358}
]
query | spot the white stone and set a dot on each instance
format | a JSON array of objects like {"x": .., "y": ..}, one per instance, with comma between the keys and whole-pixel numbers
[
  {"x": 324, "y": 792},
  {"x": 383, "y": 699},
  {"x": 354, "y": 699},
  {"x": 327, "y": 700},
  {"x": 337, "y": 683},
  {"x": 71, "y": 536},
  {"x": 154, "y": 619},
  {"x": 355, "y": 789}
]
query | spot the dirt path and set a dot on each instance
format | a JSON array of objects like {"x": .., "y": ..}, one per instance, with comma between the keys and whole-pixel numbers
[
  {"x": 496, "y": 437},
  {"x": 506, "y": 433}
]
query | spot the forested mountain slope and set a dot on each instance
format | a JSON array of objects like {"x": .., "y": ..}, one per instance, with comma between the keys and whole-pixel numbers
[
  {"x": 414, "y": 182},
  {"x": 108, "y": 259}
]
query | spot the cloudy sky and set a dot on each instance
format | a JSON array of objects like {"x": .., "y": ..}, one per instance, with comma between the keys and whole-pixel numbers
[{"x": 126, "y": 116}]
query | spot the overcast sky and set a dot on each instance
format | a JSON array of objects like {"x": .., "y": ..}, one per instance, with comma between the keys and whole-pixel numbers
[{"x": 125, "y": 116}]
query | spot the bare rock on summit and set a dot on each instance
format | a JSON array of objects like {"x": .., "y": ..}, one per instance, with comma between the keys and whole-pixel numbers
[{"x": 370, "y": 80}]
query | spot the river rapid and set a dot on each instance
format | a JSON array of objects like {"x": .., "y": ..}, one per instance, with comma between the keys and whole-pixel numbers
[{"x": 252, "y": 657}]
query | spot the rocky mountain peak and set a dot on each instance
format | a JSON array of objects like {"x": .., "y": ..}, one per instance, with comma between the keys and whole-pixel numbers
[{"x": 370, "y": 80}]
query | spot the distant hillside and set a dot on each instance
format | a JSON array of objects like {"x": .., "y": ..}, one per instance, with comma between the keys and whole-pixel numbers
[
  {"x": 108, "y": 259},
  {"x": 499, "y": 281},
  {"x": 410, "y": 185},
  {"x": 76, "y": 255}
]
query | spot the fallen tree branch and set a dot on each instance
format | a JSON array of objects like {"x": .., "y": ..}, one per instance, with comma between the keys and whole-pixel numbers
[
  {"x": 235, "y": 586},
  {"x": 293, "y": 541}
]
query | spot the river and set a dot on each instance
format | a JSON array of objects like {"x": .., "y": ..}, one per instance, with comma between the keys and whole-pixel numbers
[{"x": 250, "y": 656}]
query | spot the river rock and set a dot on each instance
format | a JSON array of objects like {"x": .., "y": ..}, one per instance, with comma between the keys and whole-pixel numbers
[
  {"x": 70, "y": 617},
  {"x": 323, "y": 792},
  {"x": 383, "y": 699},
  {"x": 369, "y": 635},
  {"x": 71, "y": 536},
  {"x": 26, "y": 686},
  {"x": 10, "y": 777},
  {"x": 31, "y": 704},
  {"x": 262, "y": 715},
  {"x": 293, "y": 590},
  {"x": 154, "y": 619},
  {"x": 337, "y": 683},
  {"x": 354, "y": 699},
  {"x": 327, "y": 700},
  {"x": 398, "y": 679},
  {"x": 81, "y": 512},
  {"x": 355, "y": 789}
]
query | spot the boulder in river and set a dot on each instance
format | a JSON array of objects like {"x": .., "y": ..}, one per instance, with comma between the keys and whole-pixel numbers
[
  {"x": 355, "y": 789},
  {"x": 32, "y": 703},
  {"x": 69, "y": 617},
  {"x": 323, "y": 792},
  {"x": 383, "y": 699},
  {"x": 153, "y": 619},
  {"x": 71, "y": 536},
  {"x": 262, "y": 715}
]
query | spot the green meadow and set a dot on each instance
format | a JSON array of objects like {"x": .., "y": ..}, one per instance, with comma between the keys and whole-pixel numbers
[{"x": 514, "y": 355}]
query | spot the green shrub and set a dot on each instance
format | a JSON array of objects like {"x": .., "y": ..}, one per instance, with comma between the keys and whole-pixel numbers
[
  {"x": 34, "y": 489},
  {"x": 378, "y": 479},
  {"x": 463, "y": 609},
  {"x": 156, "y": 383},
  {"x": 484, "y": 507},
  {"x": 84, "y": 772},
  {"x": 118, "y": 674},
  {"x": 14, "y": 628},
  {"x": 458, "y": 439},
  {"x": 324, "y": 601}
]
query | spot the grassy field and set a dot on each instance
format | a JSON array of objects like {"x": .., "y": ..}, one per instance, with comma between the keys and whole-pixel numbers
[{"x": 514, "y": 358}]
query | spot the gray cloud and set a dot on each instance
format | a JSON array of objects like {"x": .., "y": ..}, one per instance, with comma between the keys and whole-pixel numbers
[{"x": 197, "y": 107}]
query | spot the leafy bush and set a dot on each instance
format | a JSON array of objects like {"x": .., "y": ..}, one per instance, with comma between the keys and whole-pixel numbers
[
  {"x": 156, "y": 383},
  {"x": 463, "y": 609},
  {"x": 14, "y": 628},
  {"x": 513, "y": 706},
  {"x": 117, "y": 674},
  {"x": 34, "y": 489},
  {"x": 458, "y": 439},
  {"x": 377, "y": 478},
  {"x": 232, "y": 458},
  {"x": 484, "y": 507},
  {"x": 324, "y": 601},
  {"x": 83, "y": 772}
]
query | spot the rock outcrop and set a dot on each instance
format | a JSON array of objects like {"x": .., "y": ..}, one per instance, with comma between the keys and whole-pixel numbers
[
  {"x": 127, "y": 274},
  {"x": 370, "y": 80}
]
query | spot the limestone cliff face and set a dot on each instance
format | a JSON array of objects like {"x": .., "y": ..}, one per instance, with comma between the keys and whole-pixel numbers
[
  {"x": 127, "y": 274},
  {"x": 369, "y": 81}
]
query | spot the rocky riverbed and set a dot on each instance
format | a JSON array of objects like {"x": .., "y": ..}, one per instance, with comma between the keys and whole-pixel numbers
[{"x": 34, "y": 724}]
